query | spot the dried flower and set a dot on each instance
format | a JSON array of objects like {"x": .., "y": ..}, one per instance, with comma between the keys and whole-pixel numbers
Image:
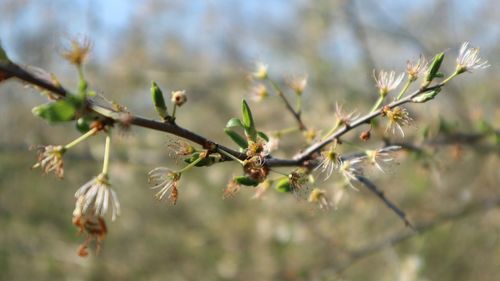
[
  {"x": 95, "y": 197},
  {"x": 379, "y": 156},
  {"x": 319, "y": 197},
  {"x": 254, "y": 169},
  {"x": 351, "y": 169},
  {"x": 164, "y": 179},
  {"x": 93, "y": 226},
  {"x": 261, "y": 189},
  {"x": 329, "y": 162},
  {"x": 300, "y": 181},
  {"x": 78, "y": 52},
  {"x": 342, "y": 118},
  {"x": 50, "y": 158},
  {"x": 415, "y": 69},
  {"x": 231, "y": 189},
  {"x": 298, "y": 84},
  {"x": 468, "y": 59},
  {"x": 180, "y": 148},
  {"x": 179, "y": 97},
  {"x": 386, "y": 81},
  {"x": 398, "y": 117}
]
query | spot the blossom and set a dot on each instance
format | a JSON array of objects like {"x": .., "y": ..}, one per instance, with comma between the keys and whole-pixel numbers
[
  {"x": 468, "y": 59},
  {"x": 50, "y": 158},
  {"x": 328, "y": 163},
  {"x": 78, "y": 52},
  {"x": 379, "y": 156},
  {"x": 259, "y": 92},
  {"x": 164, "y": 179},
  {"x": 231, "y": 189},
  {"x": 319, "y": 196},
  {"x": 179, "y": 97},
  {"x": 342, "y": 118},
  {"x": 298, "y": 84},
  {"x": 261, "y": 189},
  {"x": 261, "y": 71},
  {"x": 271, "y": 145},
  {"x": 398, "y": 117},
  {"x": 351, "y": 169},
  {"x": 416, "y": 68},
  {"x": 95, "y": 197},
  {"x": 386, "y": 81}
]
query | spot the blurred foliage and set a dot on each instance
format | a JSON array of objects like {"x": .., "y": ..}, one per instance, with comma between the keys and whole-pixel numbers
[{"x": 208, "y": 48}]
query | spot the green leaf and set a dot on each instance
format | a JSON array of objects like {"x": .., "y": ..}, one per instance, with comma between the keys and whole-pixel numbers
[
  {"x": 237, "y": 138},
  {"x": 3, "y": 55},
  {"x": 59, "y": 111},
  {"x": 248, "y": 123},
  {"x": 158, "y": 100},
  {"x": 245, "y": 180},
  {"x": 207, "y": 161},
  {"x": 234, "y": 122},
  {"x": 263, "y": 136},
  {"x": 283, "y": 185},
  {"x": 425, "y": 97},
  {"x": 434, "y": 68}
]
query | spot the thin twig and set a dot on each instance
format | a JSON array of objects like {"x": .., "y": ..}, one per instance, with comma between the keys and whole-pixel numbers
[
  {"x": 420, "y": 228},
  {"x": 373, "y": 188},
  {"x": 296, "y": 114},
  {"x": 308, "y": 152}
]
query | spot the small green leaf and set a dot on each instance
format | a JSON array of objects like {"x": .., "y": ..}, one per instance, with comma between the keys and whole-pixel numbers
[
  {"x": 207, "y": 161},
  {"x": 434, "y": 68},
  {"x": 237, "y": 138},
  {"x": 263, "y": 136},
  {"x": 283, "y": 185},
  {"x": 158, "y": 100},
  {"x": 59, "y": 111},
  {"x": 234, "y": 122},
  {"x": 425, "y": 97},
  {"x": 245, "y": 180},
  {"x": 248, "y": 122},
  {"x": 3, "y": 55}
]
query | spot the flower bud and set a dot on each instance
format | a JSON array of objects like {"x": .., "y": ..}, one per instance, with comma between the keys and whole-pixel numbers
[{"x": 179, "y": 97}]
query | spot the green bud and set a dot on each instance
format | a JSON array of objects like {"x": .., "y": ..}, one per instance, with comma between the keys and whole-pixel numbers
[
  {"x": 205, "y": 162},
  {"x": 248, "y": 122},
  {"x": 245, "y": 180},
  {"x": 283, "y": 185},
  {"x": 263, "y": 136},
  {"x": 434, "y": 68},
  {"x": 425, "y": 97},
  {"x": 234, "y": 122},
  {"x": 158, "y": 101},
  {"x": 59, "y": 111},
  {"x": 237, "y": 138},
  {"x": 83, "y": 124}
]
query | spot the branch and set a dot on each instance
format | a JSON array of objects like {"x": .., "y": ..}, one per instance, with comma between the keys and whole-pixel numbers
[
  {"x": 296, "y": 114},
  {"x": 380, "y": 194},
  {"x": 306, "y": 154},
  {"x": 420, "y": 228}
]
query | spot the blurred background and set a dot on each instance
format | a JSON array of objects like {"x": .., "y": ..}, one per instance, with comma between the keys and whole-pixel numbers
[{"x": 208, "y": 48}]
